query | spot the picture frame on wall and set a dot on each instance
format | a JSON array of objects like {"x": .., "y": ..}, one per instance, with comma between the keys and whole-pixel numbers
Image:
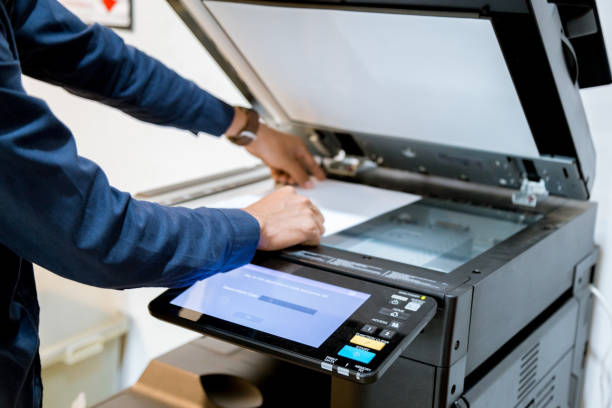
[{"x": 111, "y": 13}]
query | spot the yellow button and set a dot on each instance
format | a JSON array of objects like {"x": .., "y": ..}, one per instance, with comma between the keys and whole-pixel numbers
[{"x": 369, "y": 343}]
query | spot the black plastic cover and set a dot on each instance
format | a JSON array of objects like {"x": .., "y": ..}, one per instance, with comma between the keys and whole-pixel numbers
[{"x": 552, "y": 48}]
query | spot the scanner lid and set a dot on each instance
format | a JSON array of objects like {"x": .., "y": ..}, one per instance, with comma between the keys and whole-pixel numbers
[{"x": 481, "y": 90}]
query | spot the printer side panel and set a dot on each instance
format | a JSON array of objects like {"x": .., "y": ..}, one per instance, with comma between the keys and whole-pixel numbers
[
  {"x": 445, "y": 339},
  {"x": 407, "y": 383},
  {"x": 537, "y": 372},
  {"x": 507, "y": 299}
]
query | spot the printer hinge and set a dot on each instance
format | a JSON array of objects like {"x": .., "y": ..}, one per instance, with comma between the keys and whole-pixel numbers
[
  {"x": 346, "y": 165},
  {"x": 530, "y": 192}
]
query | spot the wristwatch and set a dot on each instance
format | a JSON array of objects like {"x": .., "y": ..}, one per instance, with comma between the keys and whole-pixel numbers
[{"x": 248, "y": 133}]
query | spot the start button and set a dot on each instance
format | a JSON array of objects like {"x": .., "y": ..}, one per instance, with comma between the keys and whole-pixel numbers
[{"x": 356, "y": 354}]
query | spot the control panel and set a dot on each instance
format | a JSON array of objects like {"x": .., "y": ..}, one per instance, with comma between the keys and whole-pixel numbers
[
  {"x": 377, "y": 335},
  {"x": 327, "y": 321}
]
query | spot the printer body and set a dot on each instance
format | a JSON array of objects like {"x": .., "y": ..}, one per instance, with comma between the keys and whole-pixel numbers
[{"x": 473, "y": 105}]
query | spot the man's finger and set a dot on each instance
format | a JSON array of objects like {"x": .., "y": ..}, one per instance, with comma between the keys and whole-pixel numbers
[
  {"x": 282, "y": 179},
  {"x": 312, "y": 242},
  {"x": 279, "y": 176},
  {"x": 321, "y": 229},
  {"x": 297, "y": 173},
  {"x": 318, "y": 215},
  {"x": 310, "y": 163},
  {"x": 315, "y": 237}
]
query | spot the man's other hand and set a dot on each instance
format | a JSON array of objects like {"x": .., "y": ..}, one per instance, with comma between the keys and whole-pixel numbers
[
  {"x": 286, "y": 219},
  {"x": 286, "y": 155}
]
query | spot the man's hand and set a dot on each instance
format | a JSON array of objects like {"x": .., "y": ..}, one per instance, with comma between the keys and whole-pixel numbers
[
  {"x": 286, "y": 219},
  {"x": 289, "y": 160}
]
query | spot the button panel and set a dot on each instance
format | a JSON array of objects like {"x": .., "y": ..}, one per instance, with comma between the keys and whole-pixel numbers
[
  {"x": 400, "y": 315},
  {"x": 387, "y": 334},
  {"x": 395, "y": 324},
  {"x": 378, "y": 331},
  {"x": 369, "y": 329},
  {"x": 414, "y": 305},
  {"x": 396, "y": 313},
  {"x": 367, "y": 342},
  {"x": 356, "y": 354},
  {"x": 394, "y": 302}
]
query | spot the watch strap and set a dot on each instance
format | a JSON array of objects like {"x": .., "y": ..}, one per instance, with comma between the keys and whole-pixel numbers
[{"x": 248, "y": 133}]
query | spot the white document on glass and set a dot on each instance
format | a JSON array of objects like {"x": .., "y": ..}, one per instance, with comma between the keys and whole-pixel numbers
[{"x": 342, "y": 204}]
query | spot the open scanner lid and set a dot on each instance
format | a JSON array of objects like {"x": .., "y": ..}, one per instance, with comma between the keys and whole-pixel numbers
[{"x": 481, "y": 90}]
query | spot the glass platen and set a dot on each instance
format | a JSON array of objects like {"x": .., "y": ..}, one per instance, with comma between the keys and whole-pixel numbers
[{"x": 431, "y": 234}]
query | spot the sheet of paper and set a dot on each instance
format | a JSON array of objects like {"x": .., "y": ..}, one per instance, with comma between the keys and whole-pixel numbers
[{"x": 342, "y": 204}]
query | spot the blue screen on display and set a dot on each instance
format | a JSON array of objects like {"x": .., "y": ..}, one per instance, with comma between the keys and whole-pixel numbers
[{"x": 278, "y": 303}]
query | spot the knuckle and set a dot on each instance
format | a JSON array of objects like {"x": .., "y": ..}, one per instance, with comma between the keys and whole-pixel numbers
[
  {"x": 314, "y": 228},
  {"x": 309, "y": 226}
]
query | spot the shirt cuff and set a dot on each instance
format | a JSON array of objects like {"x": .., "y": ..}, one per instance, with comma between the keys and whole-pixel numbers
[
  {"x": 242, "y": 233},
  {"x": 216, "y": 118},
  {"x": 246, "y": 232}
]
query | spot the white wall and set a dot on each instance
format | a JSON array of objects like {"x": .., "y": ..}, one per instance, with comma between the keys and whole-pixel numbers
[
  {"x": 598, "y": 104},
  {"x": 137, "y": 156}
]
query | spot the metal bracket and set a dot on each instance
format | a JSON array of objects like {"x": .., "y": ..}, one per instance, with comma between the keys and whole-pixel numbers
[
  {"x": 344, "y": 165},
  {"x": 460, "y": 403},
  {"x": 327, "y": 151},
  {"x": 530, "y": 193},
  {"x": 583, "y": 271}
]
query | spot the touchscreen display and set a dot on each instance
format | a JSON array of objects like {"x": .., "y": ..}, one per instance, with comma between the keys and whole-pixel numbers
[
  {"x": 278, "y": 303},
  {"x": 432, "y": 234}
]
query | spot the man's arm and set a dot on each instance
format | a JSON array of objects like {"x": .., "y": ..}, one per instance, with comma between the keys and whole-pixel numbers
[
  {"x": 55, "y": 46},
  {"x": 58, "y": 210},
  {"x": 94, "y": 62}
]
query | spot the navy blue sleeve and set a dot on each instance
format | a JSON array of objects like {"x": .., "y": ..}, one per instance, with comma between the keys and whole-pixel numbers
[
  {"x": 58, "y": 210},
  {"x": 94, "y": 62}
]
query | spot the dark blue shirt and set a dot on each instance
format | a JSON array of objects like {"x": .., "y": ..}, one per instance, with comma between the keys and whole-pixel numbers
[{"x": 57, "y": 208}]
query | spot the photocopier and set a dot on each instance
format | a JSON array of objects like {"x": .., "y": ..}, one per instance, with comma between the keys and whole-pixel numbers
[{"x": 473, "y": 291}]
